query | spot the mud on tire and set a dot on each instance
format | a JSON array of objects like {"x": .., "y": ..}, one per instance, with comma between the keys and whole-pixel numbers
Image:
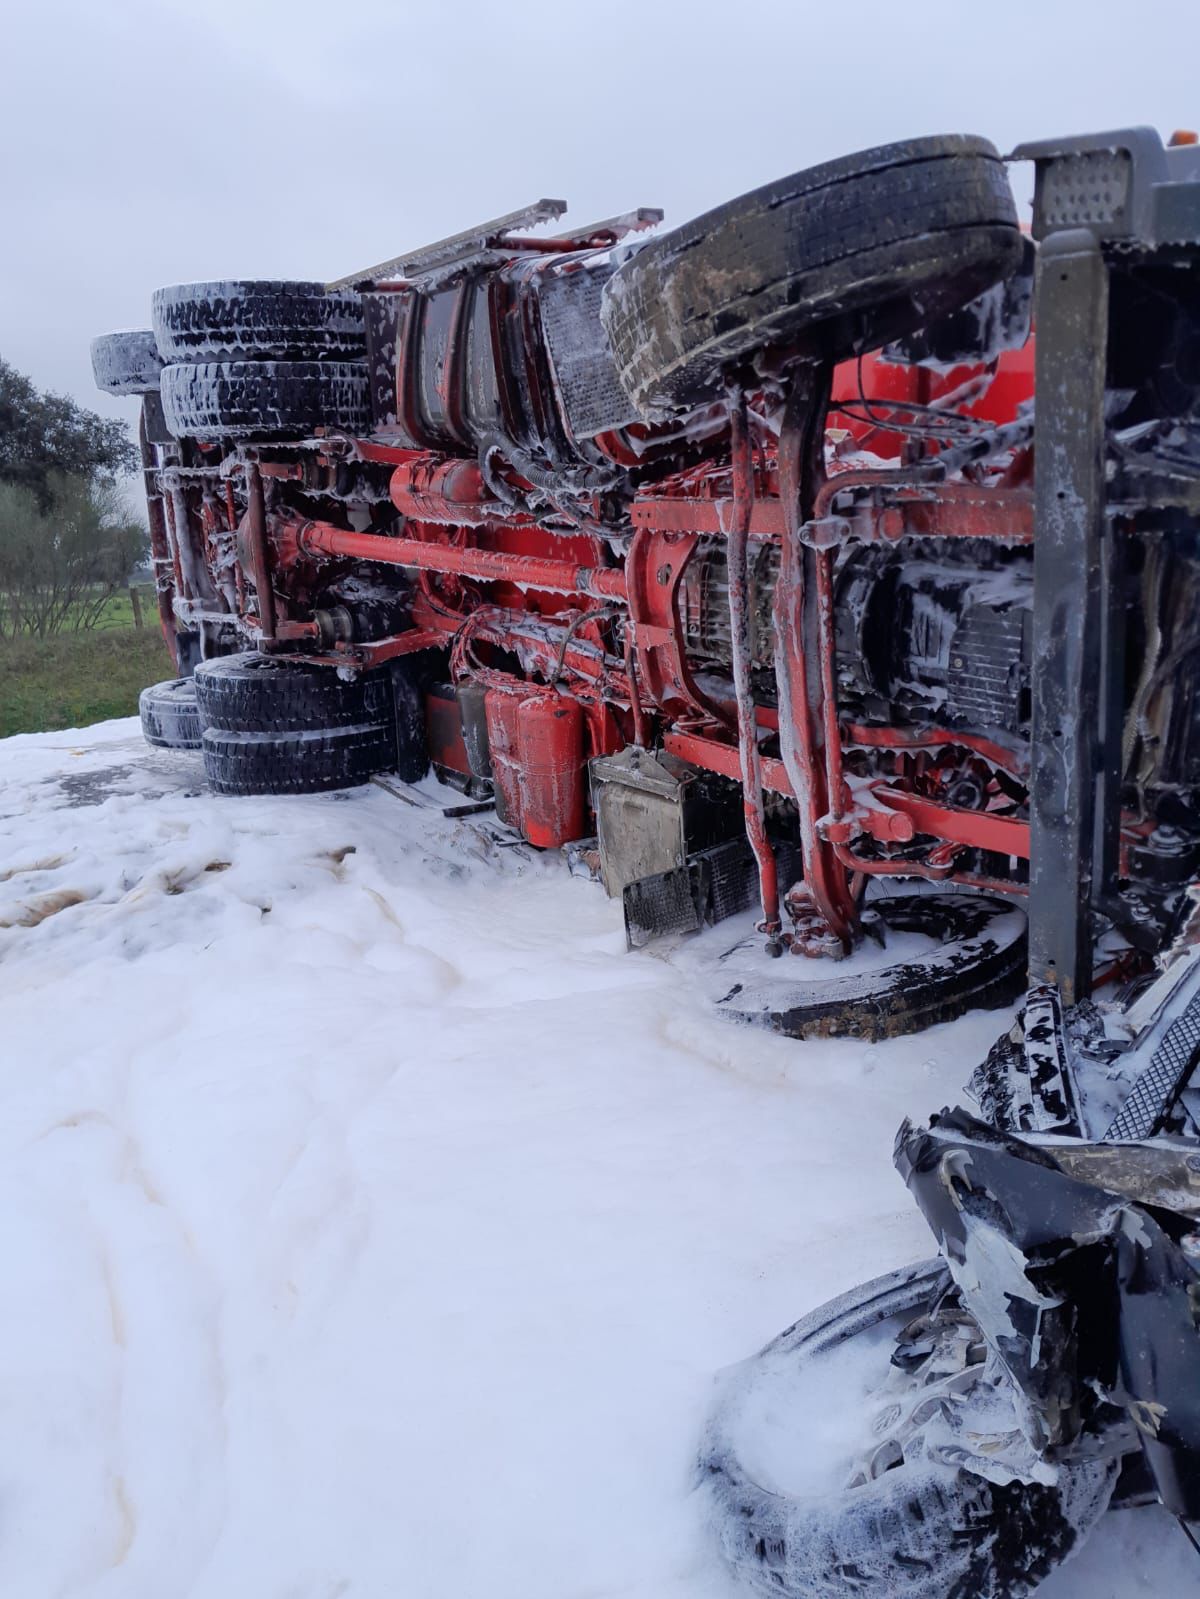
[
  {"x": 264, "y": 399},
  {"x": 856, "y": 251},
  {"x": 253, "y": 319},
  {"x": 254, "y": 693},
  {"x": 170, "y": 715},
  {"x": 921, "y": 1529},
  {"x": 126, "y": 363}
]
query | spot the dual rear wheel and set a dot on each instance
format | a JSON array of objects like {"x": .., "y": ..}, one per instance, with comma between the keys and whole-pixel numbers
[
  {"x": 267, "y": 725},
  {"x": 255, "y": 359},
  {"x": 245, "y": 359}
]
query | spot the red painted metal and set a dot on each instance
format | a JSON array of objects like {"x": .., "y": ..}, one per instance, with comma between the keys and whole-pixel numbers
[
  {"x": 895, "y": 816},
  {"x": 714, "y": 756},
  {"x": 545, "y": 651},
  {"x": 884, "y": 505},
  {"x": 432, "y": 488},
  {"x": 1002, "y": 835},
  {"x": 993, "y": 393},
  {"x": 563, "y": 598},
  {"x": 550, "y": 745},
  {"x": 919, "y": 738},
  {"x": 500, "y": 708},
  {"x": 443, "y": 729},
  {"x": 529, "y": 571},
  {"x": 654, "y": 566},
  {"x": 255, "y": 525},
  {"x": 160, "y": 549},
  {"x": 898, "y": 507},
  {"x": 668, "y": 515},
  {"x": 173, "y": 541},
  {"x": 944, "y": 873},
  {"x": 375, "y": 652}
]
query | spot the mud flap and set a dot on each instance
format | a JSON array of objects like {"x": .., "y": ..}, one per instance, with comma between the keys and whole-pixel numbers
[{"x": 408, "y": 700}]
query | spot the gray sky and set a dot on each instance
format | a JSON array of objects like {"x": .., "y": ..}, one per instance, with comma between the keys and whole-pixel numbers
[{"x": 148, "y": 143}]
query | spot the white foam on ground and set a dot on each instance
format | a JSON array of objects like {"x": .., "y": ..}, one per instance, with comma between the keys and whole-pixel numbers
[{"x": 374, "y": 1224}]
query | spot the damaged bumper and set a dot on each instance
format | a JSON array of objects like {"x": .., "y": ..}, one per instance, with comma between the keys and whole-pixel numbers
[{"x": 1080, "y": 1263}]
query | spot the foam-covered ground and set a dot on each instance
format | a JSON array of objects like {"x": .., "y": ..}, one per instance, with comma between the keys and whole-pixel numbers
[{"x": 373, "y": 1223}]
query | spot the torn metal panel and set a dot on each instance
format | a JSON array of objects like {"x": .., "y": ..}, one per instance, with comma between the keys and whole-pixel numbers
[{"x": 1082, "y": 1282}]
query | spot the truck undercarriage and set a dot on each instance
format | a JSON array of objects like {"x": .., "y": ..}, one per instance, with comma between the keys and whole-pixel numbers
[{"x": 719, "y": 551}]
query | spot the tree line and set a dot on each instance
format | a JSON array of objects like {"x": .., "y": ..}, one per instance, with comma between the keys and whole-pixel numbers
[{"x": 68, "y": 542}]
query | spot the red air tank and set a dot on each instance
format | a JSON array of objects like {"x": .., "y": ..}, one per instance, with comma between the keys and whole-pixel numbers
[
  {"x": 550, "y": 728},
  {"x": 500, "y": 709}
]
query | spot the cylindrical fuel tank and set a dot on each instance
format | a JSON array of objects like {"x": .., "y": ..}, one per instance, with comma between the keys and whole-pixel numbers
[
  {"x": 550, "y": 741},
  {"x": 472, "y": 708},
  {"x": 503, "y": 741}
]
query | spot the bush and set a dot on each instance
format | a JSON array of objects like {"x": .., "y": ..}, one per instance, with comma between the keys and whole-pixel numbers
[{"x": 61, "y": 561}]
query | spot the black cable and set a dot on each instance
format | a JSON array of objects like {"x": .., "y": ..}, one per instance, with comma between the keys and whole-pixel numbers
[{"x": 602, "y": 612}]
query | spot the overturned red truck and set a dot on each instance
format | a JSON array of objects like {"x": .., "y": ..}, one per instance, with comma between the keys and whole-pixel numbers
[{"x": 735, "y": 556}]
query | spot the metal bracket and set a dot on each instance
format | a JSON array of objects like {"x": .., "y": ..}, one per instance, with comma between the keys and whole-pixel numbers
[
  {"x": 455, "y": 250},
  {"x": 636, "y": 221},
  {"x": 1122, "y": 185},
  {"x": 1068, "y": 593}
]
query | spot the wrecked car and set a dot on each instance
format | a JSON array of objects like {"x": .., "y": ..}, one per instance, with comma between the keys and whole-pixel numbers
[{"x": 993, "y": 1402}]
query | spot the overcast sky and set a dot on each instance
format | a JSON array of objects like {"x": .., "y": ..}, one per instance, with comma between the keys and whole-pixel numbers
[{"x": 156, "y": 141}]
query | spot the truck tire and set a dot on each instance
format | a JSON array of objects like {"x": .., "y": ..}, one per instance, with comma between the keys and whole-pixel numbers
[
  {"x": 253, "y": 693},
  {"x": 126, "y": 363},
  {"x": 297, "y": 762},
  {"x": 849, "y": 254},
  {"x": 977, "y": 962},
  {"x": 252, "y": 320},
  {"x": 921, "y": 1528},
  {"x": 264, "y": 399},
  {"x": 170, "y": 715}
]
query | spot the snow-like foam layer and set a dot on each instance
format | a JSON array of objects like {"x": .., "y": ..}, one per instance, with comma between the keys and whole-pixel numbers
[
  {"x": 373, "y": 1222},
  {"x": 800, "y": 1427}
]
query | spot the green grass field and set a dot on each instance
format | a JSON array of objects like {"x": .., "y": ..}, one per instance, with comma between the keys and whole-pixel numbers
[{"x": 78, "y": 678}]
